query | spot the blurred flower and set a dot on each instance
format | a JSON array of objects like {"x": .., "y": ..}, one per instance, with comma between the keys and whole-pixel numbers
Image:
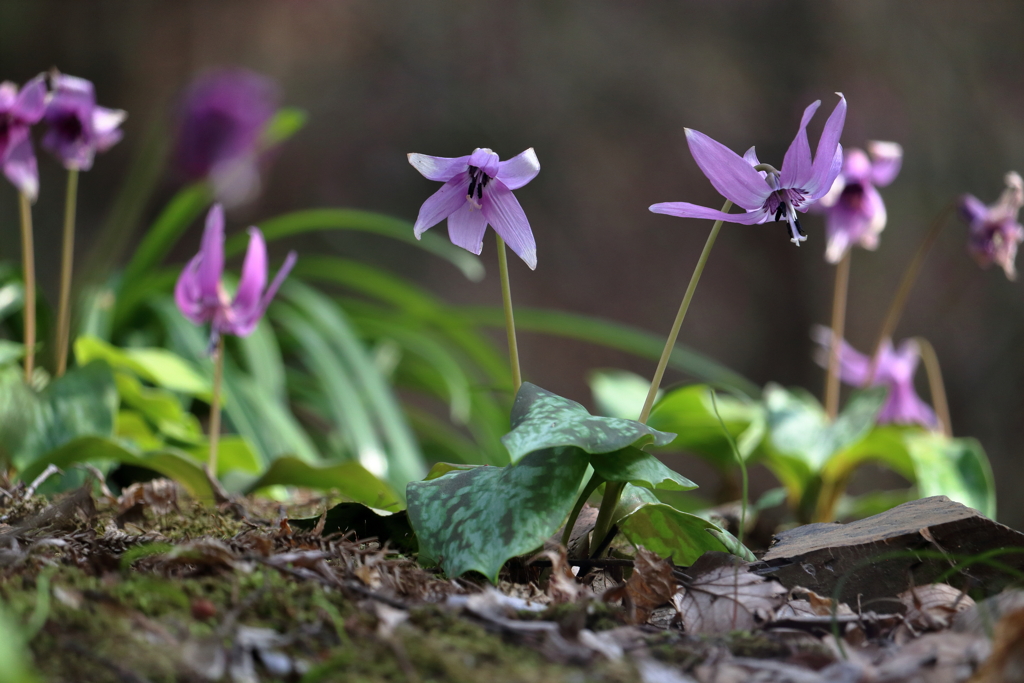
[
  {"x": 765, "y": 193},
  {"x": 994, "y": 230},
  {"x": 200, "y": 295},
  {"x": 19, "y": 111},
  {"x": 477, "y": 191},
  {"x": 222, "y": 118},
  {"x": 77, "y": 127},
  {"x": 895, "y": 370},
  {"x": 855, "y": 212}
]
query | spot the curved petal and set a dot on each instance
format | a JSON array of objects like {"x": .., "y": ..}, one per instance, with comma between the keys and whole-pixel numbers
[
  {"x": 212, "y": 250},
  {"x": 21, "y": 169},
  {"x": 502, "y": 210},
  {"x": 441, "y": 169},
  {"x": 856, "y": 166},
  {"x": 519, "y": 170},
  {"x": 466, "y": 228},
  {"x": 31, "y": 102},
  {"x": 186, "y": 292},
  {"x": 796, "y": 165},
  {"x": 875, "y": 215},
  {"x": 106, "y": 127},
  {"x": 254, "y": 274},
  {"x": 733, "y": 177},
  {"x": 972, "y": 209},
  {"x": 816, "y": 191},
  {"x": 853, "y": 365},
  {"x": 887, "y": 160},
  {"x": 688, "y": 210},
  {"x": 8, "y": 95},
  {"x": 243, "y": 326},
  {"x": 442, "y": 203},
  {"x": 822, "y": 175}
]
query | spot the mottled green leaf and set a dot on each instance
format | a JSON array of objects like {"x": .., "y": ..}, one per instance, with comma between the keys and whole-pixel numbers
[
  {"x": 639, "y": 468},
  {"x": 662, "y": 529},
  {"x": 957, "y": 468},
  {"x": 541, "y": 419},
  {"x": 441, "y": 468},
  {"x": 350, "y": 479},
  {"x": 479, "y": 518}
]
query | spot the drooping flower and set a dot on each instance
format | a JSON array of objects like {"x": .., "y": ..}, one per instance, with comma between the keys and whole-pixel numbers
[
  {"x": 201, "y": 296},
  {"x": 994, "y": 231},
  {"x": 77, "y": 126},
  {"x": 895, "y": 369},
  {"x": 764, "y": 192},
  {"x": 221, "y": 120},
  {"x": 477, "y": 191},
  {"x": 19, "y": 111},
  {"x": 854, "y": 211}
]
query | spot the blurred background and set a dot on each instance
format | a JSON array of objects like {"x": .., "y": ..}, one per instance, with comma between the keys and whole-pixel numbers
[{"x": 602, "y": 91}]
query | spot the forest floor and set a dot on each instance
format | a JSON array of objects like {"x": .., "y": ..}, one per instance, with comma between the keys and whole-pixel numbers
[{"x": 152, "y": 586}]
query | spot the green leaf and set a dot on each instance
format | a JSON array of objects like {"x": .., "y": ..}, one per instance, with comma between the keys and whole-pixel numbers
[
  {"x": 619, "y": 393},
  {"x": 95, "y": 449},
  {"x": 477, "y": 519},
  {"x": 313, "y": 220},
  {"x": 234, "y": 454},
  {"x": 158, "y": 366},
  {"x": 160, "y": 407},
  {"x": 640, "y": 469},
  {"x": 81, "y": 403},
  {"x": 441, "y": 468},
  {"x": 688, "y": 412},
  {"x": 10, "y": 352},
  {"x": 366, "y": 522},
  {"x": 179, "y": 213},
  {"x": 619, "y": 336},
  {"x": 351, "y": 480},
  {"x": 541, "y": 419},
  {"x": 957, "y": 468},
  {"x": 662, "y": 529},
  {"x": 14, "y": 651},
  {"x": 286, "y": 122}
]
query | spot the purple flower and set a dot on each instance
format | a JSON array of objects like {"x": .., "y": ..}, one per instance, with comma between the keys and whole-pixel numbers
[
  {"x": 222, "y": 118},
  {"x": 477, "y": 191},
  {"x": 855, "y": 212},
  {"x": 765, "y": 193},
  {"x": 200, "y": 295},
  {"x": 19, "y": 111},
  {"x": 77, "y": 127},
  {"x": 994, "y": 230},
  {"x": 895, "y": 370}
]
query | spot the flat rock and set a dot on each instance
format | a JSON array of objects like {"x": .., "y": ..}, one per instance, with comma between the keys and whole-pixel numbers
[{"x": 910, "y": 545}]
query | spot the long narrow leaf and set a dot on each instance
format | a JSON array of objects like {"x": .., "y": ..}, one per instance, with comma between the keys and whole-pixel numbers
[{"x": 179, "y": 213}]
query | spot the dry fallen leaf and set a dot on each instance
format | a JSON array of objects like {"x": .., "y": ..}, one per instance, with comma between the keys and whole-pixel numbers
[
  {"x": 722, "y": 596},
  {"x": 562, "y": 584},
  {"x": 1007, "y": 661},
  {"x": 652, "y": 584},
  {"x": 803, "y": 602},
  {"x": 161, "y": 495}
]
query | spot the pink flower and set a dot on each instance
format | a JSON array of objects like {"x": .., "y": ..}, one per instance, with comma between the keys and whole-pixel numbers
[
  {"x": 765, "y": 193},
  {"x": 19, "y": 111},
  {"x": 78, "y": 127},
  {"x": 854, "y": 211},
  {"x": 201, "y": 296},
  {"x": 477, "y": 191},
  {"x": 995, "y": 231}
]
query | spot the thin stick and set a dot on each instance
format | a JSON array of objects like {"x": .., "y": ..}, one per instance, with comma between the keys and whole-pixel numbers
[
  {"x": 892, "y": 317},
  {"x": 670, "y": 343},
  {"x": 66, "y": 266},
  {"x": 218, "y": 376},
  {"x": 838, "y": 325},
  {"x": 28, "y": 269},
  {"x": 936, "y": 387},
  {"x": 510, "y": 322}
]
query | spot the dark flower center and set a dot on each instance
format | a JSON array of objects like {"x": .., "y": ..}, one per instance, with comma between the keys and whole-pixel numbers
[
  {"x": 477, "y": 182},
  {"x": 852, "y": 196},
  {"x": 68, "y": 127},
  {"x": 783, "y": 203}
]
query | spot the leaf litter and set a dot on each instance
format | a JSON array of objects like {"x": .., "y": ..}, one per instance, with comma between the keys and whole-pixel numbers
[{"x": 155, "y": 586}]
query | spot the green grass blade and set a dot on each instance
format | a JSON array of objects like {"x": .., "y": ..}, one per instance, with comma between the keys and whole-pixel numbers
[{"x": 169, "y": 226}]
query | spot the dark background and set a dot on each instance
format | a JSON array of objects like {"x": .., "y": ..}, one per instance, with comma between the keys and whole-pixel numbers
[{"x": 603, "y": 91}]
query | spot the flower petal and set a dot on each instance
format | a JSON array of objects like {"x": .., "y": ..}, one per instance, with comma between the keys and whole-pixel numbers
[
  {"x": 254, "y": 274},
  {"x": 853, "y": 365},
  {"x": 212, "y": 250},
  {"x": 887, "y": 159},
  {"x": 733, "y": 177},
  {"x": 972, "y": 209},
  {"x": 466, "y": 228},
  {"x": 688, "y": 210},
  {"x": 186, "y": 292},
  {"x": 796, "y": 165},
  {"x": 519, "y": 170},
  {"x": 441, "y": 169},
  {"x": 442, "y": 203},
  {"x": 502, "y": 210},
  {"x": 825, "y": 168},
  {"x": 105, "y": 127},
  {"x": 21, "y": 169},
  {"x": 245, "y": 327},
  {"x": 31, "y": 102}
]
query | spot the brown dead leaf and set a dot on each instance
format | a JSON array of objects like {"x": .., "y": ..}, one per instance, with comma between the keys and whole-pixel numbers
[
  {"x": 1006, "y": 664},
  {"x": 930, "y": 608},
  {"x": 160, "y": 495},
  {"x": 562, "y": 585},
  {"x": 721, "y": 595},
  {"x": 803, "y": 602},
  {"x": 652, "y": 584},
  {"x": 982, "y": 617}
]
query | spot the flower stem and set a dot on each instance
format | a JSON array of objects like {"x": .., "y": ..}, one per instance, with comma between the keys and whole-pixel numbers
[
  {"x": 838, "y": 325},
  {"x": 595, "y": 481},
  {"x": 66, "y": 266},
  {"x": 510, "y": 322},
  {"x": 670, "y": 343},
  {"x": 218, "y": 376},
  {"x": 892, "y": 316},
  {"x": 612, "y": 491},
  {"x": 936, "y": 387},
  {"x": 28, "y": 268}
]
